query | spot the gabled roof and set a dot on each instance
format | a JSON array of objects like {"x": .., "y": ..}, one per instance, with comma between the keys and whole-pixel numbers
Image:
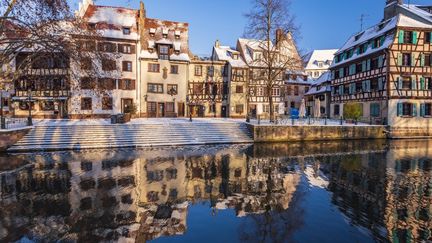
[
  {"x": 248, "y": 46},
  {"x": 325, "y": 56},
  {"x": 225, "y": 53}
]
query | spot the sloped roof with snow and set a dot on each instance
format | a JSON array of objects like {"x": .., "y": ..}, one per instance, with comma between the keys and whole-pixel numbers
[
  {"x": 226, "y": 53},
  {"x": 315, "y": 57},
  {"x": 110, "y": 21},
  {"x": 248, "y": 46},
  {"x": 321, "y": 85},
  {"x": 409, "y": 15}
]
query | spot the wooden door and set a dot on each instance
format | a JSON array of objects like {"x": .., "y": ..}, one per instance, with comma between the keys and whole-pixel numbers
[
  {"x": 161, "y": 110},
  {"x": 181, "y": 109}
]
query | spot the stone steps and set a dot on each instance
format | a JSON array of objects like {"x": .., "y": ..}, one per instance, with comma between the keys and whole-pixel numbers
[{"x": 77, "y": 137}]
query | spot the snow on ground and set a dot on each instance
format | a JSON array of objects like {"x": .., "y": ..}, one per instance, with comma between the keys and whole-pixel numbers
[{"x": 168, "y": 121}]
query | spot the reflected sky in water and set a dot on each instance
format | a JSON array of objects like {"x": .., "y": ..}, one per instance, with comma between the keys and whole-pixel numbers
[{"x": 348, "y": 191}]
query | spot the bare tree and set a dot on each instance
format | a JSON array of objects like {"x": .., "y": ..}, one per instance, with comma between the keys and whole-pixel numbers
[
  {"x": 47, "y": 36},
  {"x": 268, "y": 19}
]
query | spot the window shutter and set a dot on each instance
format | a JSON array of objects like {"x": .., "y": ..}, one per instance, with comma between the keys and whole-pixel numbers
[
  {"x": 414, "y": 84},
  {"x": 368, "y": 85},
  {"x": 358, "y": 50},
  {"x": 381, "y": 61},
  {"x": 373, "y": 44},
  {"x": 413, "y": 64},
  {"x": 422, "y": 59},
  {"x": 133, "y": 49},
  {"x": 124, "y": 66},
  {"x": 399, "y": 81},
  {"x": 368, "y": 65},
  {"x": 120, "y": 48},
  {"x": 341, "y": 90},
  {"x": 422, "y": 83},
  {"x": 399, "y": 59},
  {"x": 120, "y": 84},
  {"x": 380, "y": 84},
  {"x": 414, "y": 111},
  {"x": 364, "y": 66},
  {"x": 132, "y": 82},
  {"x": 401, "y": 37},
  {"x": 399, "y": 109},
  {"x": 422, "y": 110},
  {"x": 382, "y": 40},
  {"x": 415, "y": 37},
  {"x": 364, "y": 86}
]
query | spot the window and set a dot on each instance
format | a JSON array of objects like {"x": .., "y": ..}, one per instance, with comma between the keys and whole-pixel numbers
[
  {"x": 336, "y": 110},
  {"x": 252, "y": 91},
  {"x": 47, "y": 105},
  {"x": 406, "y": 83},
  {"x": 406, "y": 59},
  {"x": 374, "y": 63},
  {"x": 359, "y": 68},
  {"x": 210, "y": 71},
  {"x": 296, "y": 90},
  {"x": 126, "y": 49},
  {"x": 427, "y": 60},
  {"x": 428, "y": 109},
  {"x": 164, "y": 52},
  {"x": 172, "y": 89},
  {"x": 88, "y": 45},
  {"x": 170, "y": 107},
  {"x": 260, "y": 91},
  {"x": 155, "y": 88},
  {"x": 428, "y": 82},
  {"x": 374, "y": 84},
  {"x": 108, "y": 64},
  {"x": 126, "y": 31},
  {"x": 198, "y": 89},
  {"x": 88, "y": 83},
  {"x": 239, "y": 109},
  {"x": 239, "y": 89},
  {"x": 107, "y": 103},
  {"x": 106, "y": 83},
  {"x": 198, "y": 70},
  {"x": 126, "y": 84},
  {"x": 174, "y": 69},
  {"x": 276, "y": 92},
  {"x": 306, "y": 89},
  {"x": 375, "y": 110},
  {"x": 152, "y": 107},
  {"x": 428, "y": 36},
  {"x": 408, "y": 37},
  {"x": 107, "y": 47},
  {"x": 127, "y": 66},
  {"x": 153, "y": 67},
  {"x": 86, "y": 104},
  {"x": 86, "y": 64},
  {"x": 407, "y": 109},
  {"x": 5, "y": 102}
]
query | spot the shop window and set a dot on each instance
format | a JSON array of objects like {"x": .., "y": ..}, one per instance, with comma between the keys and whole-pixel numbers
[{"x": 86, "y": 104}]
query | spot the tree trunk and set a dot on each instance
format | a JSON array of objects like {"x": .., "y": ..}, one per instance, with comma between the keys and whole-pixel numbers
[{"x": 271, "y": 108}]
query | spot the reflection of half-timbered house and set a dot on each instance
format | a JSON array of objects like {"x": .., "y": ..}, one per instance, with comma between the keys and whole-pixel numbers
[
  {"x": 386, "y": 69},
  {"x": 236, "y": 77},
  {"x": 207, "y": 89}
]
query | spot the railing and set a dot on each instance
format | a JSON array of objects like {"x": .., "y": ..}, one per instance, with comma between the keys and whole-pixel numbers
[
  {"x": 13, "y": 123},
  {"x": 322, "y": 121}
]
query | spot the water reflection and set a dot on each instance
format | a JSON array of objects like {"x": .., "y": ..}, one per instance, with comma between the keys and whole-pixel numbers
[{"x": 329, "y": 192}]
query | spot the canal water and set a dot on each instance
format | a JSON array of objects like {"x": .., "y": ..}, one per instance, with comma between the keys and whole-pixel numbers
[{"x": 355, "y": 191}]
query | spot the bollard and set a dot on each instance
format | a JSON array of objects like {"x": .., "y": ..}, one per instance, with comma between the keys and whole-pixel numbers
[
  {"x": 341, "y": 121},
  {"x": 309, "y": 120},
  {"x": 325, "y": 121},
  {"x": 29, "y": 121}
]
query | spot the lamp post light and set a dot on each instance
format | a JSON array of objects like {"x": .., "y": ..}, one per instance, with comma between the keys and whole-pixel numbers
[
  {"x": 190, "y": 106},
  {"x": 29, "y": 119}
]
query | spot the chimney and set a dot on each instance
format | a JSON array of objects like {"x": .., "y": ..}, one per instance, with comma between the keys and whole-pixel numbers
[
  {"x": 279, "y": 35},
  {"x": 141, "y": 23},
  {"x": 391, "y": 7},
  {"x": 217, "y": 44},
  {"x": 82, "y": 7}
]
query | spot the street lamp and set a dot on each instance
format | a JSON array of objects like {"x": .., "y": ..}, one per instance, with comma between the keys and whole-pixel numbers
[
  {"x": 190, "y": 111},
  {"x": 29, "y": 119}
]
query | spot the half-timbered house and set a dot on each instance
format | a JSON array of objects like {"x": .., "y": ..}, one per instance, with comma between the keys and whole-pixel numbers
[
  {"x": 297, "y": 84},
  {"x": 207, "y": 90},
  {"x": 386, "y": 69},
  {"x": 236, "y": 79},
  {"x": 319, "y": 90},
  {"x": 114, "y": 87}
]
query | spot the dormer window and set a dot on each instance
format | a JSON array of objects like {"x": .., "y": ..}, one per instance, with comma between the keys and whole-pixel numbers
[
  {"x": 126, "y": 31},
  {"x": 92, "y": 26},
  {"x": 357, "y": 37},
  {"x": 320, "y": 64},
  {"x": 165, "y": 33},
  {"x": 177, "y": 34},
  {"x": 152, "y": 32},
  {"x": 164, "y": 52},
  {"x": 235, "y": 56}
]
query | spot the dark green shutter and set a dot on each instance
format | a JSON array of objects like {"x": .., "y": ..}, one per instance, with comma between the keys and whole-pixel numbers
[
  {"x": 399, "y": 109},
  {"x": 401, "y": 37}
]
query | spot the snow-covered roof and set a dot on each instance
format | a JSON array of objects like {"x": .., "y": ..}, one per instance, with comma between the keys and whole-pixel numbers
[
  {"x": 226, "y": 53},
  {"x": 184, "y": 57},
  {"x": 321, "y": 85},
  {"x": 409, "y": 15},
  {"x": 314, "y": 58},
  {"x": 249, "y": 46},
  {"x": 111, "y": 21}
]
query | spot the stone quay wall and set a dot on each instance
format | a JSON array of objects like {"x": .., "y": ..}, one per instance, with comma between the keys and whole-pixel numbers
[{"x": 275, "y": 133}]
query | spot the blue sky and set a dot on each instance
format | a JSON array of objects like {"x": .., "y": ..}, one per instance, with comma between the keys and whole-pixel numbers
[{"x": 323, "y": 23}]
